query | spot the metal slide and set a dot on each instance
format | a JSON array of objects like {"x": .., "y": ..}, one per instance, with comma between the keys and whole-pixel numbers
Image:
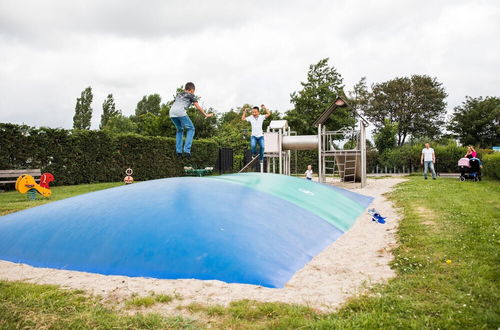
[{"x": 249, "y": 164}]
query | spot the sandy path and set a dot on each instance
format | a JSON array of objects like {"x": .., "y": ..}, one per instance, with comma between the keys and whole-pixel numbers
[{"x": 359, "y": 258}]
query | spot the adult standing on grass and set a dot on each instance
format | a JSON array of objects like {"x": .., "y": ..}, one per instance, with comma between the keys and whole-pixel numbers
[
  {"x": 256, "y": 119},
  {"x": 181, "y": 120},
  {"x": 428, "y": 158}
]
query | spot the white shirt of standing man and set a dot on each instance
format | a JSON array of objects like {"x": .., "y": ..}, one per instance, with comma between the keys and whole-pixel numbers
[
  {"x": 428, "y": 154},
  {"x": 256, "y": 119}
]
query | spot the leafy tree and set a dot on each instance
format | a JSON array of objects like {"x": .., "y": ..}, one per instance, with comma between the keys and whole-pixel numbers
[
  {"x": 149, "y": 104},
  {"x": 477, "y": 122},
  {"x": 324, "y": 84},
  {"x": 385, "y": 138},
  {"x": 149, "y": 124},
  {"x": 230, "y": 116},
  {"x": 120, "y": 124},
  {"x": 83, "y": 110},
  {"x": 108, "y": 110},
  {"x": 149, "y": 118},
  {"x": 205, "y": 127},
  {"x": 359, "y": 96},
  {"x": 417, "y": 104}
]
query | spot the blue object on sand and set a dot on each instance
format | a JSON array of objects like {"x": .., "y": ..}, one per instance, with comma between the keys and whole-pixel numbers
[{"x": 179, "y": 228}]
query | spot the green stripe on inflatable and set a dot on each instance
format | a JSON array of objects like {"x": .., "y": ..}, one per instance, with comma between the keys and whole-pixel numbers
[{"x": 319, "y": 199}]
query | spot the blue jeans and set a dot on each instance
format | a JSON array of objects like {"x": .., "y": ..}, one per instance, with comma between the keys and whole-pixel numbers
[
  {"x": 182, "y": 123},
  {"x": 427, "y": 165},
  {"x": 253, "y": 146}
]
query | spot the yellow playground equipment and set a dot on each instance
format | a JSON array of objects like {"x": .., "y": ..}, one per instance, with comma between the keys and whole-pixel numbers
[{"x": 27, "y": 184}]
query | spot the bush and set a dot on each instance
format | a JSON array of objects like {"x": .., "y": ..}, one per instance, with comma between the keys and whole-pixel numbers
[
  {"x": 408, "y": 155},
  {"x": 491, "y": 164},
  {"x": 76, "y": 157}
]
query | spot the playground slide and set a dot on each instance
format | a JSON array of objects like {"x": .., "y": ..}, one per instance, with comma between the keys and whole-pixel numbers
[
  {"x": 300, "y": 142},
  {"x": 249, "y": 165}
]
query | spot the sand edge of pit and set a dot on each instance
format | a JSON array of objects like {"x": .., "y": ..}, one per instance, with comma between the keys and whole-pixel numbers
[{"x": 358, "y": 260}]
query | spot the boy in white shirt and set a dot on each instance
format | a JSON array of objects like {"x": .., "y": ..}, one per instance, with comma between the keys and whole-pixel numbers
[
  {"x": 309, "y": 173},
  {"x": 256, "y": 119},
  {"x": 428, "y": 158}
]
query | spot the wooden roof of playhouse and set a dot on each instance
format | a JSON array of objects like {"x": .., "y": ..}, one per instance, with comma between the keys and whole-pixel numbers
[{"x": 338, "y": 103}]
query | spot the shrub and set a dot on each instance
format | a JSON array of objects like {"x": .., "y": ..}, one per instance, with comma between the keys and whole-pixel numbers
[
  {"x": 76, "y": 157},
  {"x": 491, "y": 164}
]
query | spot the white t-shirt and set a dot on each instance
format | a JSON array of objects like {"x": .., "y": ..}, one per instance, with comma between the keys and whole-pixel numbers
[
  {"x": 309, "y": 174},
  {"x": 256, "y": 124},
  {"x": 427, "y": 154}
]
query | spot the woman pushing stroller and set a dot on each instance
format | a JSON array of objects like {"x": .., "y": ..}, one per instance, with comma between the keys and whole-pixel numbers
[{"x": 471, "y": 152}]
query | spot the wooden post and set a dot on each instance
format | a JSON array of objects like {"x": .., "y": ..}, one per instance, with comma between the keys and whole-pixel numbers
[
  {"x": 362, "y": 136},
  {"x": 320, "y": 154}
]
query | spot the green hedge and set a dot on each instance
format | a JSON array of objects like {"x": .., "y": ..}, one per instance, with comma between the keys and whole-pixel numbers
[
  {"x": 76, "y": 157},
  {"x": 491, "y": 164},
  {"x": 447, "y": 157}
]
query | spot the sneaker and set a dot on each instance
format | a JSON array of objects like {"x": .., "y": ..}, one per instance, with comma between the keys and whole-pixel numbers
[
  {"x": 433, "y": 178},
  {"x": 187, "y": 155},
  {"x": 179, "y": 154},
  {"x": 425, "y": 177}
]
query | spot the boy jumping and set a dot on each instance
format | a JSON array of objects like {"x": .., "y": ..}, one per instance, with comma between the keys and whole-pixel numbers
[
  {"x": 181, "y": 120},
  {"x": 256, "y": 119}
]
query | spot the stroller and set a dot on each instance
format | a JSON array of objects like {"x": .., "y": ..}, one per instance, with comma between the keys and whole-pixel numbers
[{"x": 470, "y": 169}]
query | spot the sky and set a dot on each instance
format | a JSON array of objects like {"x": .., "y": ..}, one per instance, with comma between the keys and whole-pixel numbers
[{"x": 236, "y": 52}]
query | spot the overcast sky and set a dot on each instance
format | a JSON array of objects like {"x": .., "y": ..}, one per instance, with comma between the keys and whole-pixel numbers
[{"x": 236, "y": 52}]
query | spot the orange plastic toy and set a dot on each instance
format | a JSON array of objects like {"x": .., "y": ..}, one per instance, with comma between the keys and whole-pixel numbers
[{"x": 26, "y": 182}]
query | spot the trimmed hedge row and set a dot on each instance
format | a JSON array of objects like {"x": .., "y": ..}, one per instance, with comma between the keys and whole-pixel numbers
[
  {"x": 491, "y": 164},
  {"x": 447, "y": 157},
  {"x": 76, "y": 157}
]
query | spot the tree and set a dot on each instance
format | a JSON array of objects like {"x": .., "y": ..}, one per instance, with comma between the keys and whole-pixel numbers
[
  {"x": 108, "y": 110},
  {"x": 477, "y": 122},
  {"x": 149, "y": 104},
  {"x": 417, "y": 104},
  {"x": 120, "y": 124},
  {"x": 148, "y": 116},
  {"x": 385, "y": 138},
  {"x": 323, "y": 86},
  {"x": 83, "y": 110},
  {"x": 359, "y": 96},
  {"x": 205, "y": 127}
]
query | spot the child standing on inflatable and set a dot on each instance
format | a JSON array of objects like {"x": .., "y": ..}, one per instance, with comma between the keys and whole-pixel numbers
[
  {"x": 256, "y": 119},
  {"x": 181, "y": 120}
]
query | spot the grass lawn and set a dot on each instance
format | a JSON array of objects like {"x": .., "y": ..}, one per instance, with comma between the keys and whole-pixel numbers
[
  {"x": 13, "y": 201},
  {"x": 447, "y": 264}
]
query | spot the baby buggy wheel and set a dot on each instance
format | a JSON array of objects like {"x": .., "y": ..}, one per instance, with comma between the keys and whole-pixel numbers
[{"x": 462, "y": 178}]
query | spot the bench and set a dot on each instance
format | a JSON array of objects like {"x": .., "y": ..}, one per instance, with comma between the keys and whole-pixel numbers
[
  {"x": 10, "y": 176},
  {"x": 189, "y": 171}
]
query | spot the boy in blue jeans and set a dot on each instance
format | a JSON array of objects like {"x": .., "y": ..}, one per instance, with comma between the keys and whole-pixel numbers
[
  {"x": 256, "y": 119},
  {"x": 181, "y": 120}
]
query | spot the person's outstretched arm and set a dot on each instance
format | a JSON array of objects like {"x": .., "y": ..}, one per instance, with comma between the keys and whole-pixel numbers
[
  {"x": 197, "y": 106},
  {"x": 243, "y": 114},
  {"x": 268, "y": 113}
]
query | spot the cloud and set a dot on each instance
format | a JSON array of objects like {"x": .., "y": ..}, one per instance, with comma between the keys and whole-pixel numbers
[{"x": 235, "y": 51}]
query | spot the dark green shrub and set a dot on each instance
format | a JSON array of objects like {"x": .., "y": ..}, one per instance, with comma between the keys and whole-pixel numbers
[
  {"x": 491, "y": 164},
  {"x": 76, "y": 157}
]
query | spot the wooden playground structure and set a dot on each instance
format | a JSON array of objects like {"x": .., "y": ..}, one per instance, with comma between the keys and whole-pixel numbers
[{"x": 335, "y": 162}]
